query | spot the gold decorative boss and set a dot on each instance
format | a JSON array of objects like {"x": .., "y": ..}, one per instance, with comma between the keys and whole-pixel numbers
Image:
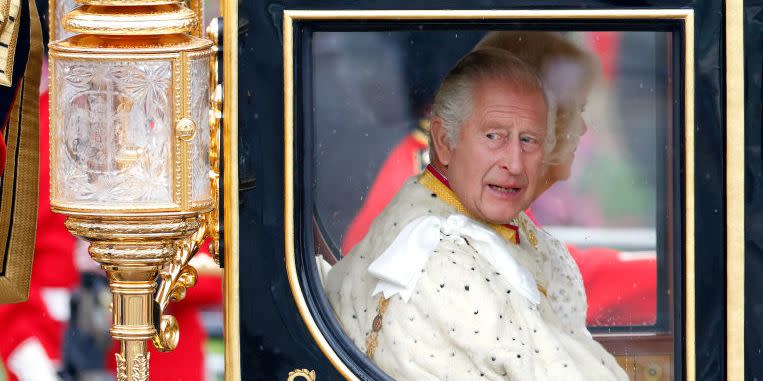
[{"x": 130, "y": 157}]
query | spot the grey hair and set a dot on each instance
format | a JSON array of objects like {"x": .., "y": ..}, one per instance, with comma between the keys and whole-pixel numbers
[{"x": 453, "y": 102}]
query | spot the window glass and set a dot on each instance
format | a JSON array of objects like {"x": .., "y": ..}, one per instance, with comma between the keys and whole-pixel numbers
[{"x": 371, "y": 96}]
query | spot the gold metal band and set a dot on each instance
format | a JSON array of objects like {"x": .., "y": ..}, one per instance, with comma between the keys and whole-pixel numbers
[
  {"x": 113, "y": 47},
  {"x": 132, "y": 21}
]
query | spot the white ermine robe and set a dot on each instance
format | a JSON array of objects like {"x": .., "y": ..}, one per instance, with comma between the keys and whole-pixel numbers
[{"x": 452, "y": 314}]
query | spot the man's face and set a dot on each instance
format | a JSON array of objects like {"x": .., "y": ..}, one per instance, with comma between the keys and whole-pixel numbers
[{"x": 497, "y": 161}]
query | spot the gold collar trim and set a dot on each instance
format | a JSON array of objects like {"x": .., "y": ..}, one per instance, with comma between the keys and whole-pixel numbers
[{"x": 429, "y": 180}]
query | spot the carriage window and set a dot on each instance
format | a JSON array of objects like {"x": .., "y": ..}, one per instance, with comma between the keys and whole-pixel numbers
[{"x": 603, "y": 197}]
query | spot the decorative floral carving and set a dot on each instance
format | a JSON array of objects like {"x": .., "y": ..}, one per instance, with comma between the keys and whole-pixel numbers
[
  {"x": 121, "y": 368},
  {"x": 113, "y": 131},
  {"x": 148, "y": 83},
  {"x": 140, "y": 367}
]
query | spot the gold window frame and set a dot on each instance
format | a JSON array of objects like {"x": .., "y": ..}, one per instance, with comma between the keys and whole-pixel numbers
[{"x": 231, "y": 312}]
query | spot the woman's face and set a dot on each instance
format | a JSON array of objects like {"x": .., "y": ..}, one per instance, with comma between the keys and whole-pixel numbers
[
  {"x": 570, "y": 127},
  {"x": 567, "y": 143}
]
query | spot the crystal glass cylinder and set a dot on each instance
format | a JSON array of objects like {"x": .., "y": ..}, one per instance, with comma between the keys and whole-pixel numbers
[
  {"x": 130, "y": 124},
  {"x": 115, "y": 130}
]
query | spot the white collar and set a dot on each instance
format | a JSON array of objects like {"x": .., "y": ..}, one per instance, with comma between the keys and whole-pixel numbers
[{"x": 399, "y": 267}]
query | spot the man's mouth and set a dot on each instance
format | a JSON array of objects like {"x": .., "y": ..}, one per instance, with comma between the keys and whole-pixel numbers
[{"x": 507, "y": 190}]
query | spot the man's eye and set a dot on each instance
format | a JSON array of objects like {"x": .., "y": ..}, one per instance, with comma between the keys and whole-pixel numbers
[
  {"x": 527, "y": 139},
  {"x": 491, "y": 136}
]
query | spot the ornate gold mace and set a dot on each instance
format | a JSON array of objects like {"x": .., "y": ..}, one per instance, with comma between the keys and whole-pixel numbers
[{"x": 130, "y": 158}]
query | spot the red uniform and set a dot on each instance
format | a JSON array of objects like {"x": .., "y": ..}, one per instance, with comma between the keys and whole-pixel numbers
[
  {"x": 621, "y": 289},
  {"x": 404, "y": 161},
  {"x": 54, "y": 274}
]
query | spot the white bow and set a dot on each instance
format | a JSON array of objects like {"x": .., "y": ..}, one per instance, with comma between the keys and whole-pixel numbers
[{"x": 399, "y": 267}]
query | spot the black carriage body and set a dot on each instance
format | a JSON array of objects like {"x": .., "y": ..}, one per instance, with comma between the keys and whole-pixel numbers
[{"x": 274, "y": 337}]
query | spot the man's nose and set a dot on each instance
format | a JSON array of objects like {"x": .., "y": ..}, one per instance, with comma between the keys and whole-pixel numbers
[{"x": 511, "y": 157}]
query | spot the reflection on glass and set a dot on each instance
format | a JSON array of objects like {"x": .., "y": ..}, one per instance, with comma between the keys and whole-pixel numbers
[{"x": 372, "y": 102}]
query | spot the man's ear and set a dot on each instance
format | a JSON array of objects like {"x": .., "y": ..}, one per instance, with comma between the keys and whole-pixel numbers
[{"x": 440, "y": 141}]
